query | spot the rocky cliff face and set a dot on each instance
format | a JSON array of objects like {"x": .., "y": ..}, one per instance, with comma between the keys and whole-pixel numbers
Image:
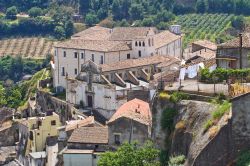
[{"x": 189, "y": 137}]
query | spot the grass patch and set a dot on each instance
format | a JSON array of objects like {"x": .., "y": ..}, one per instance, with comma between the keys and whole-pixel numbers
[
  {"x": 178, "y": 96},
  {"x": 221, "y": 110},
  {"x": 209, "y": 123},
  {"x": 177, "y": 160}
]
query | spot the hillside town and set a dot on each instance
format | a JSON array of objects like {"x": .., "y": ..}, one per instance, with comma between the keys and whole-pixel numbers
[{"x": 166, "y": 91}]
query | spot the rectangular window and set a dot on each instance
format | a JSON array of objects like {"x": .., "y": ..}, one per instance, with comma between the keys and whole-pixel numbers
[
  {"x": 82, "y": 55},
  {"x": 76, "y": 72},
  {"x": 55, "y": 52},
  {"x": 93, "y": 58},
  {"x": 64, "y": 53},
  {"x": 63, "y": 71},
  {"x": 101, "y": 62},
  {"x": 128, "y": 56},
  {"x": 139, "y": 52},
  {"x": 75, "y": 54},
  {"x": 117, "y": 139},
  {"x": 53, "y": 123}
]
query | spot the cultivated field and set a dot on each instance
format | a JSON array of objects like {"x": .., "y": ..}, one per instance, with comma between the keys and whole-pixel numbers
[
  {"x": 203, "y": 26},
  {"x": 37, "y": 48}
]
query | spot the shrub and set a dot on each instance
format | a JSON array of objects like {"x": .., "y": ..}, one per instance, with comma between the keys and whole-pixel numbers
[
  {"x": 177, "y": 160},
  {"x": 167, "y": 119},
  {"x": 11, "y": 13},
  {"x": 243, "y": 159},
  {"x": 35, "y": 12},
  {"x": 178, "y": 96},
  {"x": 164, "y": 95}
]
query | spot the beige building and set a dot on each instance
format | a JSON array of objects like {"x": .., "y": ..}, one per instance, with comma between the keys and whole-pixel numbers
[
  {"x": 34, "y": 132},
  {"x": 108, "y": 46}
]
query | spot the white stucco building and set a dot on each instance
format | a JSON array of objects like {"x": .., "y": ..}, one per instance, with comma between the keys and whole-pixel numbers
[
  {"x": 107, "y": 46},
  {"x": 106, "y": 86}
]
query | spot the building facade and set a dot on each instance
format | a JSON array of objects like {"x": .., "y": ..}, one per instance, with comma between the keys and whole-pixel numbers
[
  {"x": 131, "y": 122},
  {"x": 235, "y": 53},
  {"x": 106, "y": 87},
  {"x": 107, "y": 46}
]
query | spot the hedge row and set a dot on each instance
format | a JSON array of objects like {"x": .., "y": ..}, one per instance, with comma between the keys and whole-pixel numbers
[{"x": 221, "y": 74}]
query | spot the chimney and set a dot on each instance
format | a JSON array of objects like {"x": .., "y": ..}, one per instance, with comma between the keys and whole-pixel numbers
[
  {"x": 176, "y": 29},
  {"x": 241, "y": 45}
]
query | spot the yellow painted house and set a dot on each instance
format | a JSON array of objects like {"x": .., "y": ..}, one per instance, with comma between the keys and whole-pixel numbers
[{"x": 34, "y": 132}]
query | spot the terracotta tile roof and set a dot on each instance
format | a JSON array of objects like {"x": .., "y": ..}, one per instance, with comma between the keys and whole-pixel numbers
[
  {"x": 235, "y": 43},
  {"x": 205, "y": 53},
  {"x": 163, "y": 38},
  {"x": 96, "y": 45},
  {"x": 89, "y": 135},
  {"x": 93, "y": 33},
  {"x": 136, "y": 110},
  {"x": 131, "y": 63},
  {"x": 80, "y": 123},
  {"x": 129, "y": 33},
  {"x": 207, "y": 44}
]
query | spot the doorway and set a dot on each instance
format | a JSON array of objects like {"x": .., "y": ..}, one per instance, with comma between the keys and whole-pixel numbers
[{"x": 90, "y": 101}]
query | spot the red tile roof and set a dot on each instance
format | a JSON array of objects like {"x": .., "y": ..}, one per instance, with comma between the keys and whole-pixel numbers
[
  {"x": 89, "y": 135},
  {"x": 136, "y": 110}
]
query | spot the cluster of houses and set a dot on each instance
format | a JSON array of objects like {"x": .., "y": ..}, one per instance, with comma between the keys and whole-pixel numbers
[{"x": 114, "y": 72}]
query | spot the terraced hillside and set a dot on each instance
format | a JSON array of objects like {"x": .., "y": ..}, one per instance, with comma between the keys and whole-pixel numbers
[
  {"x": 37, "y": 48},
  {"x": 203, "y": 26}
]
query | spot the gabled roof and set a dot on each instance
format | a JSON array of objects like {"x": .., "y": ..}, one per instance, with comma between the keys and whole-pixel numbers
[
  {"x": 136, "y": 110},
  {"x": 80, "y": 123},
  {"x": 93, "y": 33},
  {"x": 206, "y": 44},
  {"x": 129, "y": 33},
  {"x": 235, "y": 43},
  {"x": 95, "y": 45},
  {"x": 131, "y": 63},
  {"x": 163, "y": 38},
  {"x": 89, "y": 135}
]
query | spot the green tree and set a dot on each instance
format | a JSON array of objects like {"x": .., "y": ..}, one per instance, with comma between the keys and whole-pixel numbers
[
  {"x": 238, "y": 22},
  {"x": 91, "y": 19},
  {"x": 59, "y": 32},
  {"x": 201, "y": 6},
  {"x": 35, "y": 12},
  {"x": 69, "y": 28},
  {"x": 11, "y": 13},
  {"x": 136, "y": 11},
  {"x": 14, "y": 98},
  {"x": 131, "y": 155},
  {"x": 3, "y": 100}
]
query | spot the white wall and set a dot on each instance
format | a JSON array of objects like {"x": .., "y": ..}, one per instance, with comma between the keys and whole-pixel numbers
[
  {"x": 172, "y": 49},
  {"x": 78, "y": 160}
]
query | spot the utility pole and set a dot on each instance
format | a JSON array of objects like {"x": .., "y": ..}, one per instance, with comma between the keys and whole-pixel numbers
[{"x": 241, "y": 45}]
